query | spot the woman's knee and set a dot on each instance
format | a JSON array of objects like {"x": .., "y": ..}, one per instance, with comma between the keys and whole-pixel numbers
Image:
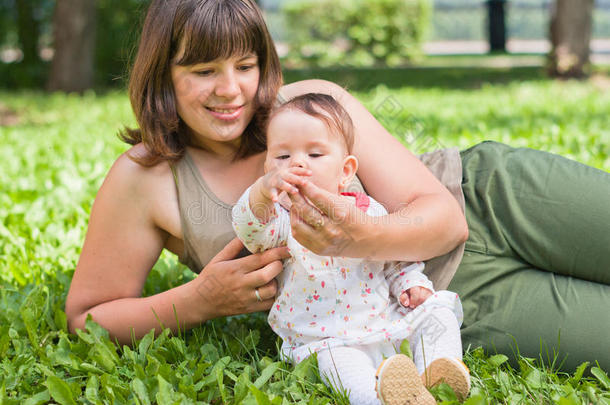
[{"x": 486, "y": 148}]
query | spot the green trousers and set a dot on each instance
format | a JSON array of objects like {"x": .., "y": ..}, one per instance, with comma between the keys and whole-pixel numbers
[{"x": 535, "y": 277}]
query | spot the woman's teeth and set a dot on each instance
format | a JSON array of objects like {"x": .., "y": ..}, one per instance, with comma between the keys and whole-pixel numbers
[
  {"x": 223, "y": 110},
  {"x": 226, "y": 114}
]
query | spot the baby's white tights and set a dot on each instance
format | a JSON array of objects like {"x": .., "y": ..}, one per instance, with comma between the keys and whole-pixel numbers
[
  {"x": 353, "y": 368},
  {"x": 350, "y": 369},
  {"x": 436, "y": 338}
]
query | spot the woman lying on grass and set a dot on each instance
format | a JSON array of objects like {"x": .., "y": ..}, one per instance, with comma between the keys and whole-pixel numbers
[{"x": 530, "y": 264}]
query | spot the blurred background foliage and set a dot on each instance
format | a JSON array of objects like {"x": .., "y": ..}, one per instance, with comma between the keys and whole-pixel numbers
[
  {"x": 117, "y": 29},
  {"x": 118, "y": 26},
  {"x": 355, "y": 32},
  {"x": 309, "y": 34}
]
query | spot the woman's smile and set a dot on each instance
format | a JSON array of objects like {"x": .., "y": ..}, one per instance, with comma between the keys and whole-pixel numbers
[{"x": 226, "y": 113}]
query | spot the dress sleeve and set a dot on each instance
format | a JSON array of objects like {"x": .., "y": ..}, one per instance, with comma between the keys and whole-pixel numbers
[{"x": 256, "y": 235}]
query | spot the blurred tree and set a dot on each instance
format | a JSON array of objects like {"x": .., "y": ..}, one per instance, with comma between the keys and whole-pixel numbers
[
  {"x": 27, "y": 35},
  {"x": 28, "y": 31},
  {"x": 23, "y": 29},
  {"x": 496, "y": 25},
  {"x": 119, "y": 24},
  {"x": 72, "y": 67},
  {"x": 570, "y": 34}
]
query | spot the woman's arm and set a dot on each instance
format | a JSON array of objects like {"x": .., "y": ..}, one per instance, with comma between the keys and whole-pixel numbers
[
  {"x": 126, "y": 234},
  {"x": 425, "y": 220}
]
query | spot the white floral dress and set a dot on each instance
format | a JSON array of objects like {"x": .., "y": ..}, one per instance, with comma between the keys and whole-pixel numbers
[{"x": 327, "y": 301}]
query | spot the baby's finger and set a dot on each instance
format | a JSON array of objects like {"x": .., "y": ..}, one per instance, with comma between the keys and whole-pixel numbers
[
  {"x": 416, "y": 301},
  {"x": 294, "y": 179},
  {"x": 404, "y": 299},
  {"x": 414, "y": 297},
  {"x": 270, "y": 182},
  {"x": 419, "y": 295},
  {"x": 288, "y": 188},
  {"x": 274, "y": 194}
]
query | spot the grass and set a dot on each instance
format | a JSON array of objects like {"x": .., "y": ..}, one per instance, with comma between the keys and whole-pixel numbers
[{"x": 55, "y": 151}]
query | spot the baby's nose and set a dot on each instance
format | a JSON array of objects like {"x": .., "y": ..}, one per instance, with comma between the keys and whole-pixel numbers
[{"x": 297, "y": 162}]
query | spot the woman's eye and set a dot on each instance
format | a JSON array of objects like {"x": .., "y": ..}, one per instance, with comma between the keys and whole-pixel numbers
[
  {"x": 204, "y": 72},
  {"x": 245, "y": 68}
]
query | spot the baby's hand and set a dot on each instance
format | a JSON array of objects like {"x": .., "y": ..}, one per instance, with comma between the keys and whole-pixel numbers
[
  {"x": 278, "y": 180},
  {"x": 414, "y": 296}
]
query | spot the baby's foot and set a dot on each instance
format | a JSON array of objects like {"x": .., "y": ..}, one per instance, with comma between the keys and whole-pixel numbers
[
  {"x": 398, "y": 382},
  {"x": 452, "y": 372}
]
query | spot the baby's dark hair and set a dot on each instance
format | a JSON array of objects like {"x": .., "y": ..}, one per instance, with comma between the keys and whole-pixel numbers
[{"x": 326, "y": 109}]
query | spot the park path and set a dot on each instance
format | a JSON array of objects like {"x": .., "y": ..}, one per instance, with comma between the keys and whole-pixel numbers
[{"x": 600, "y": 50}]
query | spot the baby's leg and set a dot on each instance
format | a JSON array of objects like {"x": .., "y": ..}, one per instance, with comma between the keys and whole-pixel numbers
[
  {"x": 351, "y": 370},
  {"x": 437, "y": 351},
  {"x": 437, "y": 337}
]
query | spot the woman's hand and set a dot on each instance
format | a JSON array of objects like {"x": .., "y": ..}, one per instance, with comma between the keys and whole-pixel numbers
[
  {"x": 414, "y": 296},
  {"x": 227, "y": 286},
  {"x": 328, "y": 224}
]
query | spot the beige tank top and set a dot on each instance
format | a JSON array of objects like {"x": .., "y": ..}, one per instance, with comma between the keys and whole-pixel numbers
[{"x": 206, "y": 220}]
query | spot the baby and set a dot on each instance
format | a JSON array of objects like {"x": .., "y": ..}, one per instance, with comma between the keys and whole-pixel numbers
[{"x": 352, "y": 312}]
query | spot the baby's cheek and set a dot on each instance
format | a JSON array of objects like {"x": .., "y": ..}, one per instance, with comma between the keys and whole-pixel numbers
[{"x": 269, "y": 165}]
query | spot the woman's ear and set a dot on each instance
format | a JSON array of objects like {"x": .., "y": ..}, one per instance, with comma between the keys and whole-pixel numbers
[{"x": 350, "y": 167}]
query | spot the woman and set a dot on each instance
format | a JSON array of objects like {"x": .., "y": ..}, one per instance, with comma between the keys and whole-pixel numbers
[{"x": 205, "y": 76}]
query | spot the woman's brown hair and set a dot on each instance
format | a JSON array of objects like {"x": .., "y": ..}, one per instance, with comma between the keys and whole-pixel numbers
[{"x": 208, "y": 30}]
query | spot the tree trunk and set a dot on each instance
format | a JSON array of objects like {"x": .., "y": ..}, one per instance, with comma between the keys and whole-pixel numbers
[
  {"x": 27, "y": 30},
  {"x": 570, "y": 32},
  {"x": 496, "y": 25},
  {"x": 74, "y": 42}
]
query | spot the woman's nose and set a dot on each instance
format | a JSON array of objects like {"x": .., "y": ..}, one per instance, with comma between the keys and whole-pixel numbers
[{"x": 227, "y": 86}]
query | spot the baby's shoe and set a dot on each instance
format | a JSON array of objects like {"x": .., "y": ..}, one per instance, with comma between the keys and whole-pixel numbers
[
  {"x": 452, "y": 372},
  {"x": 398, "y": 382}
]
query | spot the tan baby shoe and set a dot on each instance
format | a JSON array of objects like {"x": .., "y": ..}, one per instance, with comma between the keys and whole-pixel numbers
[
  {"x": 399, "y": 383},
  {"x": 452, "y": 372}
]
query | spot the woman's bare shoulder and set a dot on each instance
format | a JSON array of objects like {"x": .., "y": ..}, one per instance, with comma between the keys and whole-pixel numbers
[
  {"x": 151, "y": 188},
  {"x": 131, "y": 170},
  {"x": 141, "y": 180}
]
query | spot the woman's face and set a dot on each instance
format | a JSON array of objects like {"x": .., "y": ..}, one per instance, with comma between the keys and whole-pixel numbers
[{"x": 216, "y": 99}]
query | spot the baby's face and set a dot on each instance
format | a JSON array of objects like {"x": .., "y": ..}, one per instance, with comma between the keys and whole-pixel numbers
[{"x": 295, "y": 138}]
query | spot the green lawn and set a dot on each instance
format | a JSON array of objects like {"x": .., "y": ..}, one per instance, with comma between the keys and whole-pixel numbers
[{"x": 54, "y": 157}]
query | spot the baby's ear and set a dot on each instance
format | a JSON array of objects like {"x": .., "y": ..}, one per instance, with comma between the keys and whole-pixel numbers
[{"x": 350, "y": 167}]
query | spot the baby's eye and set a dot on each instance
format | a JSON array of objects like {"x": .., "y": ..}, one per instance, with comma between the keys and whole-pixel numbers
[
  {"x": 315, "y": 155},
  {"x": 282, "y": 157}
]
